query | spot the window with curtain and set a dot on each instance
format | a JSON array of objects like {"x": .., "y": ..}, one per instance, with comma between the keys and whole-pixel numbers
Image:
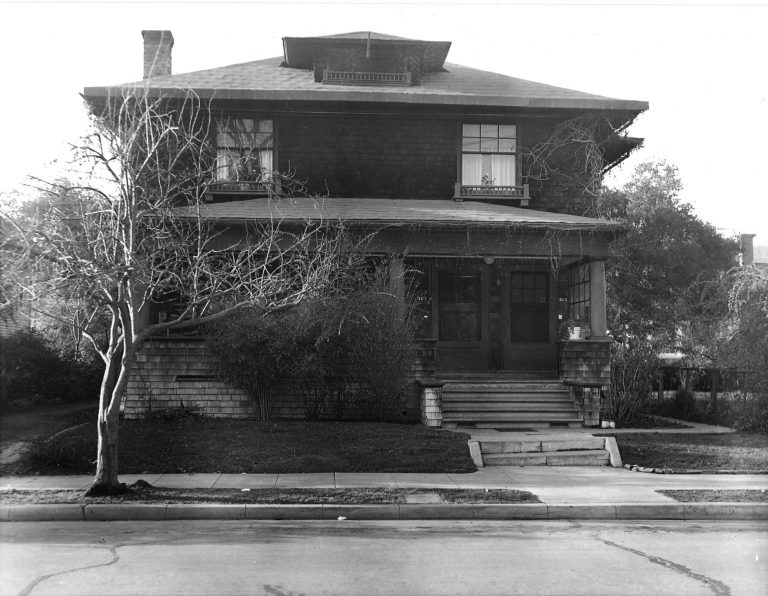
[
  {"x": 244, "y": 149},
  {"x": 488, "y": 154}
]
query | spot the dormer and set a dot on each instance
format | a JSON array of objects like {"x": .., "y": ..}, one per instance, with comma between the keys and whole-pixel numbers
[{"x": 365, "y": 58}]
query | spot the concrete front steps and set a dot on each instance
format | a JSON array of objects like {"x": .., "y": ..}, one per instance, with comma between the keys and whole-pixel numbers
[
  {"x": 495, "y": 400},
  {"x": 556, "y": 451}
]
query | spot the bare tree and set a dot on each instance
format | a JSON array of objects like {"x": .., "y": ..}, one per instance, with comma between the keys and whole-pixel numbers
[{"x": 135, "y": 232}]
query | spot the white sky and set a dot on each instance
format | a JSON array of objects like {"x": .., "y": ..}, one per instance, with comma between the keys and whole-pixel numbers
[{"x": 701, "y": 66}]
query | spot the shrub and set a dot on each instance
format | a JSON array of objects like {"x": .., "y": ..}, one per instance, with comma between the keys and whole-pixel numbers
[
  {"x": 32, "y": 371},
  {"x": 180, "y": 414},
  {"x": 344, "y": 353},
  {"x": 634, "y": 367}
]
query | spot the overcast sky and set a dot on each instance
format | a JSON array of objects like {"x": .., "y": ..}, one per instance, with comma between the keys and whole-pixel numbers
[{"x": 701, "y": 66}]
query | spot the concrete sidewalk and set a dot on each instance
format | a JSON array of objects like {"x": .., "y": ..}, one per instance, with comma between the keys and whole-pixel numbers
[{"x": 565, "y": 493}]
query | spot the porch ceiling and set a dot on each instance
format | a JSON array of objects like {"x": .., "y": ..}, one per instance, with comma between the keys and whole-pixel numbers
[{"x": 399, "y": 212}]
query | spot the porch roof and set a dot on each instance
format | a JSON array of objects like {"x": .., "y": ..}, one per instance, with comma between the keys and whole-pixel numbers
[{"x": 400, "y": 212}]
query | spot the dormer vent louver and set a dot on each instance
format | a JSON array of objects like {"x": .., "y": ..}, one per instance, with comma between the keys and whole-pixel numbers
[{"x": 338, "y": 77}]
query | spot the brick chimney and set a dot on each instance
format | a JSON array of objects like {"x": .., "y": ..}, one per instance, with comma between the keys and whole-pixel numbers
[{"x": 157, "y": 53}]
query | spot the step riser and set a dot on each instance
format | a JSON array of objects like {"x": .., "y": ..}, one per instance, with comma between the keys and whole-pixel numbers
[
  {"x": 511, "y": 425},
  {"x": 544, "y": 397},
  {"x": 544, "y": 461},
  {"x": 540, "y": 446},
  {"x": 508, "y": 405},
  {"x": 511, "y": 416},
  {"x": 586, "y": 458},
  {"x": 486, "y": 401},
  {"x": 497, "y": 387}
]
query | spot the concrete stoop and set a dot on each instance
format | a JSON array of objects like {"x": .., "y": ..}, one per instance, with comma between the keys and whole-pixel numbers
[{"x": 576, "y": 451}]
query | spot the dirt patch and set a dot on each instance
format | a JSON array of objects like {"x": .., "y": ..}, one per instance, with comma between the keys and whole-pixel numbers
[{"x": 306, "y": 496}]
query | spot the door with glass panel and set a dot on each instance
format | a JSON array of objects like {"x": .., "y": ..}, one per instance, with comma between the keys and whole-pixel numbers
[
  {"x": 462, "y": 317},
  {"x": 529, "y": 295}
]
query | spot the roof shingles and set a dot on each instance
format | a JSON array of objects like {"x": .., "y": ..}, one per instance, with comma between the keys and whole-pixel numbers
[
  {"x": 459, "y": 85},
  {"x": 403, "y": 212}
]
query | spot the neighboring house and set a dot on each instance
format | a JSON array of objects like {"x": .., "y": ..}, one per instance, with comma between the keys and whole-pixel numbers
[
  {"x": 439, "y": 157},
  {"x": 753, "y": 255},
  {"x": 761, "y": 257}
]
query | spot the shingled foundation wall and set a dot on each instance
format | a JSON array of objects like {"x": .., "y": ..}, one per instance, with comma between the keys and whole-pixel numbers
[
  {"x": 586, "y": 362},
  {"x": 173, "y": 371}
]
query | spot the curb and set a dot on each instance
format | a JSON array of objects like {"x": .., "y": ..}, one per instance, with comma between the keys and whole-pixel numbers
[{"x": 501, "y": 511}]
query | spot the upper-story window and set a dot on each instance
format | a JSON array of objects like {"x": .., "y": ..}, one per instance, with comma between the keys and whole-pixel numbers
[
  {"x": 244, "y": 150},
  {"x": 488, "y": 155}
]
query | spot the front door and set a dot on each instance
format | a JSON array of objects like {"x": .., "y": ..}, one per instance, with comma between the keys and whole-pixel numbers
[
  {"x": 528, "y": 298},
  {"x": 493, "y": 316},
  {"x": 461, "y": 305}
]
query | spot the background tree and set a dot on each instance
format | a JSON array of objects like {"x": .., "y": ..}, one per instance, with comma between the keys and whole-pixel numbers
[
  {"x": 659, "y": 267},
  {"x": 132, "y": 231}
]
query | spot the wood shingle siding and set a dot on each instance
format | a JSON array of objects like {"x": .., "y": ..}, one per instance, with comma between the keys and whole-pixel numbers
[{"x": 173, "y": 371}]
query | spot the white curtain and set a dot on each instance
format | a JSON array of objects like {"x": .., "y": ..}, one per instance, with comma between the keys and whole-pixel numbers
[
  {"x": 503, "y": 170},
  {"x": 471, "y": 169}
]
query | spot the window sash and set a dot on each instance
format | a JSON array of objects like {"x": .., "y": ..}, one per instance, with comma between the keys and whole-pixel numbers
[
  {"x": 489, "y": 154},
  {"x": 244, "y": 149}
]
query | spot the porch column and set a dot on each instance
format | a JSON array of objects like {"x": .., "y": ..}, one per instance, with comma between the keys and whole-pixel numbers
[{"x": 597, "y": 300}]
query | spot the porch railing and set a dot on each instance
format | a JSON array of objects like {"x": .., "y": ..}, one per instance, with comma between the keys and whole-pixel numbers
[{"x": 487, "y": 191}]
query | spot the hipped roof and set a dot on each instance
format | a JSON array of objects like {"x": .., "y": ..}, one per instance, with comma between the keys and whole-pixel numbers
[{"x": 458, "y": 85}]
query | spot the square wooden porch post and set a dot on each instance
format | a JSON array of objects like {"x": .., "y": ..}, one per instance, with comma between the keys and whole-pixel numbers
[{"x": 597, "y": 300}]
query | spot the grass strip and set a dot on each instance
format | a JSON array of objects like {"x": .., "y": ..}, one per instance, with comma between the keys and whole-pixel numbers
[
  {"x": 717, "y": 495},
  {"x": 274, "y": 496}
]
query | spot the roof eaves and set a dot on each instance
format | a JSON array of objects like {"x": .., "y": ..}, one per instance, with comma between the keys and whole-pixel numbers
[
  {"x": 598, "y": 226},
  {"x": 375, "y": 96}
]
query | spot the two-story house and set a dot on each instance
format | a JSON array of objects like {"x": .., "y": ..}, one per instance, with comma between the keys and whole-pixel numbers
[{"x": 449, "y": 163}]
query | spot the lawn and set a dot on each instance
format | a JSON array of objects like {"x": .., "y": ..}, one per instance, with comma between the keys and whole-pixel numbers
[
  {"x": 705, "y": 452},
  {"x": 237, "y": 446}
]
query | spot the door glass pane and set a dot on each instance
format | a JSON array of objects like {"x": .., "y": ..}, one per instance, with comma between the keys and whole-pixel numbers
[
  {"x": 459, "y": 305},
  {"x": 529, "y": 306}
]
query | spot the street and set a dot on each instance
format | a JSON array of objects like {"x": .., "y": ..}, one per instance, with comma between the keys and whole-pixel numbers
[{"x": 346, "y": 557}]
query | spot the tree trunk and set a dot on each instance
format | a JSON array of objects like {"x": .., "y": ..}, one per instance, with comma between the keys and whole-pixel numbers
[{"x": 106, "y": 482}]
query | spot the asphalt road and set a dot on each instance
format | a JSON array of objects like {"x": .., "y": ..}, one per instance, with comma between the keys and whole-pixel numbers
[{"x": 346, "y": 557}]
